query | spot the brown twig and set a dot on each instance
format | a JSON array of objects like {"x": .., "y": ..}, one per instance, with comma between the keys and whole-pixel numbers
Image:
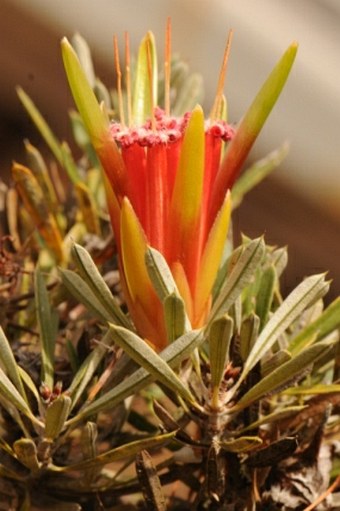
[{"x": 324, "y": 495}]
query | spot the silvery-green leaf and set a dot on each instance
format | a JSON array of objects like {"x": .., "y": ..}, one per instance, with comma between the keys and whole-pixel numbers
[
  {"x": 241, "y": 444},
  {"x": 248, "y": 335},
  {"x": 283, "y": 375},
  {"x": 328, "y": 321},
  {"x": 87, "y": 369},
  {"x": 279, "y": 258},
  {"x": 48, "y": 327},
  {"x": 10, "y": 393},
  {"x": 82, "y": 292},
  {"x": 119, "y": 453},
  {"x": 9, "y": 364},
  {"x": 279, "y": 358},
  {"x": 265, "y": 295},
  {"x": 225, "y": 270},
  {"x": 172, "y": 354},
  {"x": 27, "y": 380},
  {"x": 176, "y": 321},
  {"x": 238, "y": 279},
  {"x": 160, "y": 274},
  {"x": 147, "y": 358},
  {"x": 219, "y": 337},
  {"x": 236, "y": 313},
  {"x": 89, "y": 272},
  {"x": 56, "y": 415},
  {"x": 304, "y": 295}
]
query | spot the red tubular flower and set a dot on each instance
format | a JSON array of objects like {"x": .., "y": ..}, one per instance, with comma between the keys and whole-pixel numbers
[{"x": 166, "y": 187}]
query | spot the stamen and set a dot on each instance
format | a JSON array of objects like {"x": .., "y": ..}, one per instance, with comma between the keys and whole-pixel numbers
[
  {"x": 220, "y": 86},
  {"x": 149, "y": 59},
  {"x": 167, "y": 67},
  {"x": 119, "y": 81},
  {"x": 128, "y": 78}
]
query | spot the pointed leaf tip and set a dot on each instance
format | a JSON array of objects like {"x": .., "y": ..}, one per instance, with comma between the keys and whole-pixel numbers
[
  {"x": 251, "y": 125},
  {"x": 94, "y": 120},
  {"x": 83, "y": 94}
]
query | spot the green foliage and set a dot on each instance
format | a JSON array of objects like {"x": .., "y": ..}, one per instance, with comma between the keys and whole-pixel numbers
[{"x": 226, "y": 409}]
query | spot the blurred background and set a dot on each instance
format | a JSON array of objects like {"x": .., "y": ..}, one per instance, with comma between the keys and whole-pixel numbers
[{"x": 299, "y": 205}]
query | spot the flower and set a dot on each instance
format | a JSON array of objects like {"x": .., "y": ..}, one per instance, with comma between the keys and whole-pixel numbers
[{"x": 166, "y": 185}]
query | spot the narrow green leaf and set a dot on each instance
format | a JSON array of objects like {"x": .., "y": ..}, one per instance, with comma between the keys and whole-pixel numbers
[
  {"x": 176, "y": 321},
  {"x": 172, "y": 355},
  {"x": 96, "y": 123},
  {"x": 82, "y": 138},
  {"x": 238, "y": 279},
  {"x": 84, "y": 55},
  {"x": 265, "y": 294},
  {"x": 325, "y": 324},
  {"x": 27, "y": 380},
  {"x": 47, "y": 327},
  {"x": 241, "y": 444},
  {"x": 147, "y": 358},
  {"x": 274, "y": 417},
  {"x": 250, "y": 127},
  {"x": 9, "y": 364},
  {"x": 160, "y": 274},
  {"x": 282, "y": 376},
  {"x": 248, "y": 335},
  {"x": 146, "y": 81},
  {"x": 56, "y": 415},
  {"x": 42, "y": 126},
  {"x": 82, "y": 292},
  {"x": 69, "y": 164},
  {"x": 327, "y": 388},
  {"x": 37, "y": 207},
  {"x": 10, "y": 393},
  {"x": 252, "y": 176},
  {"x": 120, "y": 453},
  {"x": 37, "y": 164},
  {"x": 225, "y": 270},
  {"x": 87, "y": 369},
  {"x": 219, "y": 337},
  {"x": 90, "y": 273},
  {"x": 84, "y": 97},
  {"x": 304, "y": 295},
  {"x": 279, "y": 258},
  {"x": 279, "y": 358}
]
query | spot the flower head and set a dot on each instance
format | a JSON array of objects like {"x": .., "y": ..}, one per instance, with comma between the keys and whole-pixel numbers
[{"x": 166, "y": 185}]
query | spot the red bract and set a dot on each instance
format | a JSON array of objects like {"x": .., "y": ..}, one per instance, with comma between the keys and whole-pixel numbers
[{"x": 167, "y": 187}]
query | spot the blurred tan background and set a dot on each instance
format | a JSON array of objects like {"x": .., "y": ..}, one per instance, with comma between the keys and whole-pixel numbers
[{"x": 300, "y": 204}]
